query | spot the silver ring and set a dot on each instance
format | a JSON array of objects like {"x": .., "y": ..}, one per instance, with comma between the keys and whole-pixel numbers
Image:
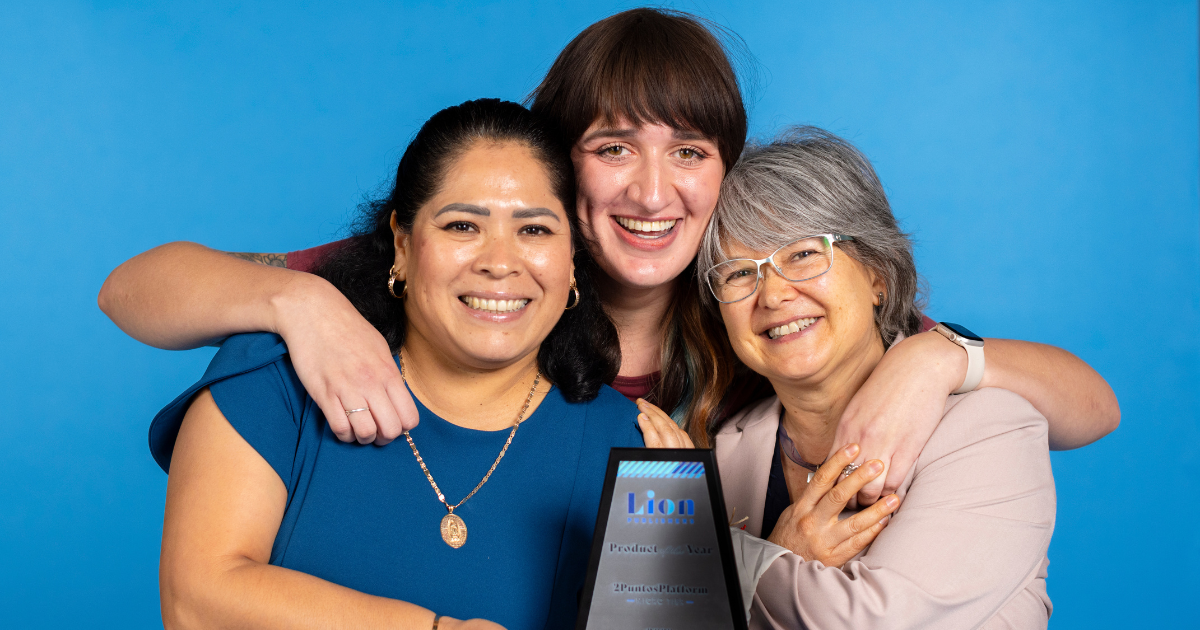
[
  {"x": 849, "y": 469},
  {"x": 350, "y": 411}
]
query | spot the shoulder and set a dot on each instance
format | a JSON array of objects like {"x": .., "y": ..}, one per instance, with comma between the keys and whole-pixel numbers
[
  {"x": 249, "y": 370},
  {"x": 984, "y": 414},
  {"x": 610, "y": 417},
  {"x": 754, "y": 414},
  {"x": 991, "y": 442}
]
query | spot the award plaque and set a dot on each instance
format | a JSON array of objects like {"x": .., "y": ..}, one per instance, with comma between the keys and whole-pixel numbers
[{"x": 662, "y": 556}]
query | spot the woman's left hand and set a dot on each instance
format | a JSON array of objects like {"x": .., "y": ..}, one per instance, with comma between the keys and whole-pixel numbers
[
  {"x": 895, "y": 412},
  {"x": 659, "y": 430}
]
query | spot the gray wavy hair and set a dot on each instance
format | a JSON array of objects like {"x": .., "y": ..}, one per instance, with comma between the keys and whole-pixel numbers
[{"x": 808, "y": 181}]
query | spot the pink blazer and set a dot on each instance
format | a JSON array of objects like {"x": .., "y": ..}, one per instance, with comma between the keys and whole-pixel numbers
[{"x": 966, "y": 549}]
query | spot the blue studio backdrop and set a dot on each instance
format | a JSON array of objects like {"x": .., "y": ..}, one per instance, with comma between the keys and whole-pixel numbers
[{"x": 1045, "y": 156}]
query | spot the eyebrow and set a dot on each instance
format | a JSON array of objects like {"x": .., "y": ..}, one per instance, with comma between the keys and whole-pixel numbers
[
  {"x": 464, "y": 207},
  {"x": 609, "y": 132},
  {"x": 523, "y": 213},
  {"x": 612, "y": 132},
  {"x": 529, "y": 213}
]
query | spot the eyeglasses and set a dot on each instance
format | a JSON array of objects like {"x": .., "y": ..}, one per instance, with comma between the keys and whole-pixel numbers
[{"x": 800, "y": 260}]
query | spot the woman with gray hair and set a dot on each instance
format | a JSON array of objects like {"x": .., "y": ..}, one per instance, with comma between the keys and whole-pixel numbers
[{"x": 814, "y": 281}]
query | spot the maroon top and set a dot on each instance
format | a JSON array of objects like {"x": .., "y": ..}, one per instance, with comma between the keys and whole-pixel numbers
[
  {"x": 634, "y": 387},
  {"x": 307, "y": 259}
]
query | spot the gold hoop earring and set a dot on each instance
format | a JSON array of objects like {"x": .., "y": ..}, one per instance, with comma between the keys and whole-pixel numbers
[
  {"x": 392, "y": 277},
  {"x": 576, "y": 290}
]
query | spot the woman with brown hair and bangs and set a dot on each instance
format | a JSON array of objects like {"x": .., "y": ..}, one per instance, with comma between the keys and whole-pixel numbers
[{"x": 652, "y": 109}]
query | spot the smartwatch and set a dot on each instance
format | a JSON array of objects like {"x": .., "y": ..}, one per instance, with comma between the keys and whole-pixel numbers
[{"x": 973, "y": 344}]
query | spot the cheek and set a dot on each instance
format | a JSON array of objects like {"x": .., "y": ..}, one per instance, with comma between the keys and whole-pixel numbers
[
  {"x": 699, "y": 192},
  {"x": 550, "y": 266},
  {"x": 598, "y": 187},
  {"x": 737, "y": 322},
  {"x": 436, "y": 263}
]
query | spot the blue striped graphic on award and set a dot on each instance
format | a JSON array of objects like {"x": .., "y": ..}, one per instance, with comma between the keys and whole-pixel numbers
[{"x": 652, "y": 509}]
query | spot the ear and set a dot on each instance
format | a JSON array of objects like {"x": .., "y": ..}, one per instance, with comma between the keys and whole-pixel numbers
[
  {"x": 401, "y": 241},
  {"x": 878, "y": 287}
]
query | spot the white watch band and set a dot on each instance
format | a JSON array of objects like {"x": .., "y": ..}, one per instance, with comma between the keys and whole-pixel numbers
[
  {"x": 974, "y": 369},
  {"x": 975, "y": 360}
]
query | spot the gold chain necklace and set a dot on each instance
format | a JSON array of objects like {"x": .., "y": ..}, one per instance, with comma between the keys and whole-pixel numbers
[{"x": 454, "y": 530}]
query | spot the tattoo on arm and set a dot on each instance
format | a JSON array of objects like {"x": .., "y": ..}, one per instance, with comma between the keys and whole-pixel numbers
[{"x": 271, "y": 260}]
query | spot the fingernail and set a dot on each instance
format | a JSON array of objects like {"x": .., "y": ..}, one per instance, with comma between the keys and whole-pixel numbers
[
  {"x": 875, "y": 467},
  {"x": 884, "y": 520},
  {"x": 851, "y": 451},
  {"x": 892, "y": 501},
  {"x": 642, "y": 416}
]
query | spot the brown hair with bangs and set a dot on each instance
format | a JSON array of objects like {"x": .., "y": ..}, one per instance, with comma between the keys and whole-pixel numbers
[
  {"x": 659, "y": 66},
  {"x": 647, "y": 66}
]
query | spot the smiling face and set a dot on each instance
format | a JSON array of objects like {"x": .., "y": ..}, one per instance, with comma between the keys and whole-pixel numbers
[
  {"x": 805, "y": 332},
  {"x": 489, "y": 261},
  {"x": 646, "y": 194}
]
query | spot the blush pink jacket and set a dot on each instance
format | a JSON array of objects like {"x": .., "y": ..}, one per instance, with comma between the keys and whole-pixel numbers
[{"x": 966, "y": 549}]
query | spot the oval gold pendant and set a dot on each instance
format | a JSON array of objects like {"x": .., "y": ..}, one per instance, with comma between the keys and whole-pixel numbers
[{"x": 454, "y": 530}]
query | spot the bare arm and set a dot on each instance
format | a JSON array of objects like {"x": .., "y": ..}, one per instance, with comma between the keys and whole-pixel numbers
[
  {"x": 183, "y": 295},
  {"x": 224, "y": 506},
  {"x": 1077, "y": 402},
  {"x": 897, "y": 409}
]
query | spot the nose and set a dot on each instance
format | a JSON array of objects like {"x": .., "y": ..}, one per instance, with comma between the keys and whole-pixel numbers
[
  {"x": 498, "y": 257},
  {"x": 773, "y": 289},
  {"x": 652, "y": 186}
]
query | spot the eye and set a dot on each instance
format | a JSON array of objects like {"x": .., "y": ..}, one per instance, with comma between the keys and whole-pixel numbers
[
  {"x": 612, "y": 151},
  {"x": 691, "y": 154},
  {"x": 739, "y": 274},
  {"x": 535, "y": 230},
  {"x": 801, "y": 255},
  {"x": 460, "y": 226}
]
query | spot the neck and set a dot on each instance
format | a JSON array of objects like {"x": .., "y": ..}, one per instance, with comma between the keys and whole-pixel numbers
[
  {"x": 638, "y": 314},
  {"x": 474, "y": 398},
  {"x": 813, "y": 407}
]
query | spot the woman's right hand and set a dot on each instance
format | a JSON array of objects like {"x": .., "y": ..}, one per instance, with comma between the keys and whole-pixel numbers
[
  {"x": 810, "y": 527},
  {"x": 343, "y": 362}
]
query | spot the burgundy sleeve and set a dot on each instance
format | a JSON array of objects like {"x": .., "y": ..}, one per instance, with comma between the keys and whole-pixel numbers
[{"x": 307, "y": 259}]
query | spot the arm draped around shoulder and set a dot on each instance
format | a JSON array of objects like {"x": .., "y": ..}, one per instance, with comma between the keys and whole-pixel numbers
[{"x": 970, "y": 536}]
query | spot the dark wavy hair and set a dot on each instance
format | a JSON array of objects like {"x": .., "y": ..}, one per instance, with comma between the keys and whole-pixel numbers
[{"x": 582, "y": 351}]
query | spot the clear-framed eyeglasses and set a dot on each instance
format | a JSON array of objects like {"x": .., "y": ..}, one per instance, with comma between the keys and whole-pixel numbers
[{"x": 802, "y": 259}]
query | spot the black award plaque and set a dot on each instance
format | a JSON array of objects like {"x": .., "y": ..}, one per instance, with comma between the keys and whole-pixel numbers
[{"x": 662, "y": 557}]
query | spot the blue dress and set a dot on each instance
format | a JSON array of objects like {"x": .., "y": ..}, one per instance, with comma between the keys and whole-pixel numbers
[{"x": 366, "y": 517}]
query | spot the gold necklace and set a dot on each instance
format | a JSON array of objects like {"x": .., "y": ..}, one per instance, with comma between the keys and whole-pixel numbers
[{"x": 454, "y": 530}]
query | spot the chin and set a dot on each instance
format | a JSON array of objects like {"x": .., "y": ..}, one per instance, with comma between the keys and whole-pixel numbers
[
  {"x": 643, "y": 273},
  {"x": 494, "y": 353}
]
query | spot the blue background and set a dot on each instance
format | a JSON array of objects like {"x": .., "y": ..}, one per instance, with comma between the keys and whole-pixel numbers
[{"x": 1044, "y": 154}]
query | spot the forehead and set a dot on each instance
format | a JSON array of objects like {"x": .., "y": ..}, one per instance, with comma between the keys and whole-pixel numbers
[
  {"x": 624, "y": 128},
  {"x": 496, "y": 168}
]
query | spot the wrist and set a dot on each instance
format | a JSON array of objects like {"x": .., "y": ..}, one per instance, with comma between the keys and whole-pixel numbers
[
  {"x": 297, "y": 299},
  {"x": 945, "y": 360}
]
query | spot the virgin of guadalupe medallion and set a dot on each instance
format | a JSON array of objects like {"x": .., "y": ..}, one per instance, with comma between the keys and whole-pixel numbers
[{"x": 454, "y": 530}]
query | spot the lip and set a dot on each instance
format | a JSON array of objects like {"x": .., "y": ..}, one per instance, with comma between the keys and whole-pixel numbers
[
  {"x": 647, "y": 244},
  {"x": 791, "y": 336},
  {"x": 497, "y": 318}
]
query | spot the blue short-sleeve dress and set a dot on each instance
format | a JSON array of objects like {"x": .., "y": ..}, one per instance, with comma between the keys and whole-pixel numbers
[{"x": 366, "y": 517}]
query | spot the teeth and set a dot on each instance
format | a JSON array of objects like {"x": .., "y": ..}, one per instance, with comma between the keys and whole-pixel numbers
[
  {"x": 648, "y": 228},
  {"x": 495, "y": 306},
  {"x": 793, "y": 327}
]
